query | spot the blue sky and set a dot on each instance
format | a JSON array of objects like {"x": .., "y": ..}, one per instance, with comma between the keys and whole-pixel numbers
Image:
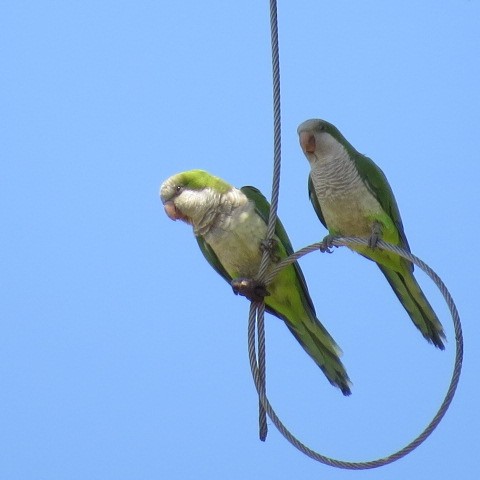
[{"x": 122, "y": 354}]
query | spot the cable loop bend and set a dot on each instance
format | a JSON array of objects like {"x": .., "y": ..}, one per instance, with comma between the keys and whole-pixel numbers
[{"x": 256, "y": 314}]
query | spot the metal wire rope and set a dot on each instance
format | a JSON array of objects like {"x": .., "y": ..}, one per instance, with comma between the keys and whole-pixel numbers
[
  {"x": 340, "y": 241},
  {"x": 257, "y": 309},
  {"x": 277, "y": 136}
]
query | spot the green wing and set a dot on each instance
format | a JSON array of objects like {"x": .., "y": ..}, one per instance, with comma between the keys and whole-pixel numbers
[
  {"x": 316, "y": 204},
  {"x": 212, "y": 258},
  {"x": 262, "y": 207},
  {"x": 377, "y": 183}
]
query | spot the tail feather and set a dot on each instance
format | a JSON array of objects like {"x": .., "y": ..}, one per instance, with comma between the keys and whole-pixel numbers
[
  {"x": 318, "y": 343},
  {"x": 416, "y": 304}
]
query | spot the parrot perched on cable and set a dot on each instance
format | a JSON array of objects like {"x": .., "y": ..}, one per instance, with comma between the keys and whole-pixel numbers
[
  {"x": 230, "y": 226},
  {"x": 352, "y": 197}
]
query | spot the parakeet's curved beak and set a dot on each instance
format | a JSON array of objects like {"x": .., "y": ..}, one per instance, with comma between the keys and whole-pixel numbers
[
  {"x": 307, "y": 142},
  {"x": 171, "y": 210}
]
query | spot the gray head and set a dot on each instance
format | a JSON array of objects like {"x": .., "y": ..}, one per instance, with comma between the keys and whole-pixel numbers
[{"x": 320, "y": 139}]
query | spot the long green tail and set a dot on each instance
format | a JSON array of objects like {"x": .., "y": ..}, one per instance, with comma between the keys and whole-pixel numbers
[
  {"x": 416, "y": 304},
  {"x": 318, "y": 343}
]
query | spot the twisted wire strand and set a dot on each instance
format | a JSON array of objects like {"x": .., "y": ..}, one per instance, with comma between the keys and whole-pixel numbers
[
  {"x": 262, "y": 414},
  {"x": 272, "y": 220},
  {"x": 347, "y": 241},
  {"x": 277, "y": 138}
]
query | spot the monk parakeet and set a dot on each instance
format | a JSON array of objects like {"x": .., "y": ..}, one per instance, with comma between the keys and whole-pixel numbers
[
  {"x": 230, "y": 225},
  {"x": 352, "y": 197}
]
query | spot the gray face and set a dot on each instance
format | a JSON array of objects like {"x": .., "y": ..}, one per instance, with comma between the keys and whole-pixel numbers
[
  {"x": 170, "y": 193},
  {"x": 317, "y": 144}
]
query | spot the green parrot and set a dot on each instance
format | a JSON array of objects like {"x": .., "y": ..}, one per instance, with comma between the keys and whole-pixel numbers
[
  {"x": 352, "y": 197},
  {"x": 230, "y": 226}
]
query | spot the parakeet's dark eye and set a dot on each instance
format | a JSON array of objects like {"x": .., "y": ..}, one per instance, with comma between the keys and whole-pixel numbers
[{"x": 178, "y": 189}]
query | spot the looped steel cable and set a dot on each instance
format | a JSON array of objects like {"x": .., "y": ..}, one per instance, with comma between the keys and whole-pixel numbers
[
  {"x": 257, "y": 309},
  {"x": 346, "y": 241}
]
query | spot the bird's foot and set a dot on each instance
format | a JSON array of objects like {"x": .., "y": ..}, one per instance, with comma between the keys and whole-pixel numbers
[
  {"x": 270, "y": 246},
  {"x": 252, "y": 289},
  {"x": 375, "y": 236},
  {"x": 326, "y": 245}
]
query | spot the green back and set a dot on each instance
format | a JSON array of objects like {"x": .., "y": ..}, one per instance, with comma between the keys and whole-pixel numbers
[
  {"x": 262, "y": 207},
  {"x": 377, "y": 183}
]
